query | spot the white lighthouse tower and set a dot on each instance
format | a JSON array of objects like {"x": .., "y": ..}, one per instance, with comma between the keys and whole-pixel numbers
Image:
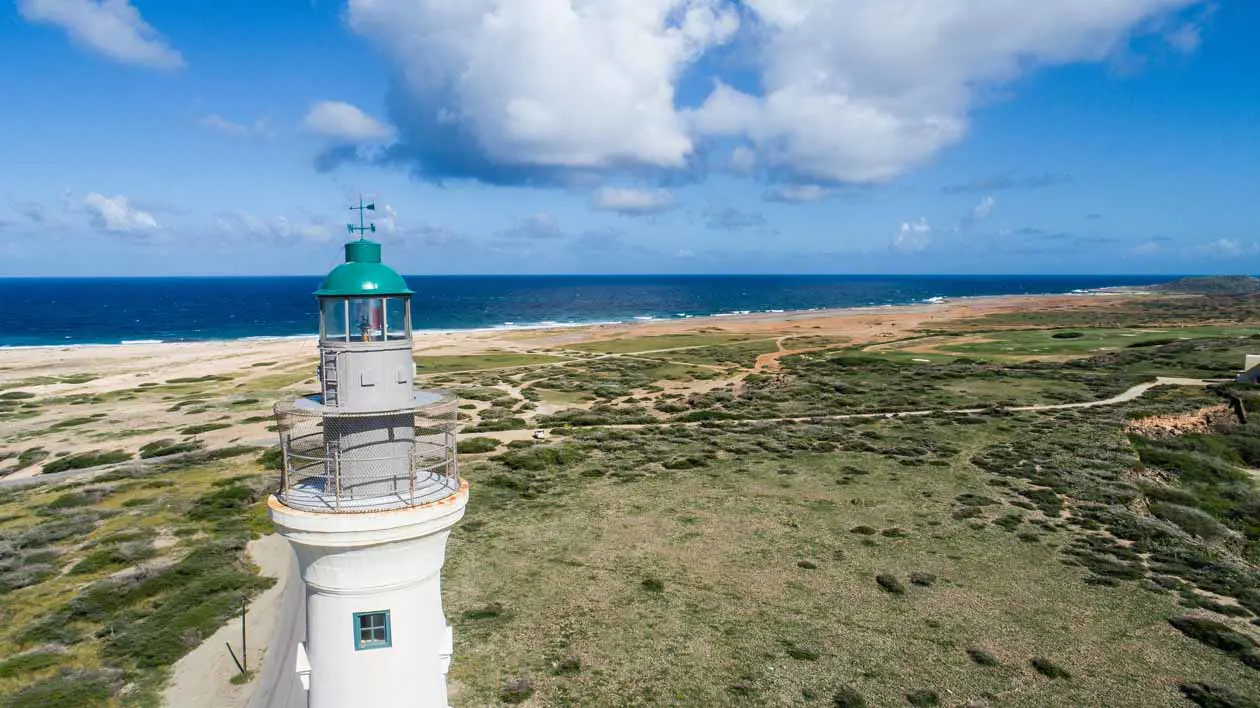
[{"x": 368, "y": 495}]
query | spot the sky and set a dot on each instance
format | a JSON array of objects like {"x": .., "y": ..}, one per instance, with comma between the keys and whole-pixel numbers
[{"x": 229, "y": 137}]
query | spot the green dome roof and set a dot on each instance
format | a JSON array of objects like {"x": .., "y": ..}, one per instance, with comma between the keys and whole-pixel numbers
[{"x": 363, "y": 274}]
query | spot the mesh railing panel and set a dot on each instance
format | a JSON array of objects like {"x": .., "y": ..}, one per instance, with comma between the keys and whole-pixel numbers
[{"x": 336, "y": 462}]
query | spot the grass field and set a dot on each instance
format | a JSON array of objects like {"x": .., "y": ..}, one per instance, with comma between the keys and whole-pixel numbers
[
  {"x": 742, "y": 354},
  {"x": 108, "y": 583},
  {"x": 633, "y": 345},
  {"x": 995, "y": 559},
  {"x": 757, "y": 571},
  {"x": 1026, "y": 344},
  {"x": 473, "y": 362}
]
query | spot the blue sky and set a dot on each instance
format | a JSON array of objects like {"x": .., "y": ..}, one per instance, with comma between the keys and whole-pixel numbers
[{"x": 620, "y": 136}]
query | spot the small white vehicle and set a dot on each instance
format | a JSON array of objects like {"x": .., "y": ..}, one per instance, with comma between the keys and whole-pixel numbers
[{"x": 540, "y": 434}]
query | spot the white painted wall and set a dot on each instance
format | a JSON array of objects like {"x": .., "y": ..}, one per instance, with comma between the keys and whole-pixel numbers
[{"x": 366, "y": 563}]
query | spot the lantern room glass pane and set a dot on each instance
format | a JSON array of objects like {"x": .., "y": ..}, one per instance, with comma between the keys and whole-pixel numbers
[
  {"x": 396, "y": 318},
  {"x": 333, "y": 316},
  {"x": 367, "y": 319}
]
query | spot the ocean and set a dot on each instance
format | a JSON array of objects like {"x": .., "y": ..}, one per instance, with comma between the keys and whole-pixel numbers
[{"x": 69, "y": 311}]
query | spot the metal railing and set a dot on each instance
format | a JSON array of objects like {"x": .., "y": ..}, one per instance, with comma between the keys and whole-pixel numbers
[{"x": 338, "y": 462}]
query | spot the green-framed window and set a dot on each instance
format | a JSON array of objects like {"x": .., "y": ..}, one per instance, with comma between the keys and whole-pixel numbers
[{"x": 371, "y": 630}]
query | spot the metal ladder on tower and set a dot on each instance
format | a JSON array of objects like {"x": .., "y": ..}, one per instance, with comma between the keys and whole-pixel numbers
[{"x": 328, "y": 373}]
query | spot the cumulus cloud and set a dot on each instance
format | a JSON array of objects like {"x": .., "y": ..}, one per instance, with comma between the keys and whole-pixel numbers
[
  {"x": 117, "y": 215},
  {"x": 796, "y": 193},
  {"x": 1007, "y": 182},
  {"x": 632, "y": 202},
  {"x": 553, "y": 84},
  {"x": 278, "y": 229},
  {"x": 543, "y": 225},
  {"x": 220, "y": 124},
  {"x": 113, "y": 28},
  {"x": 984, "y": 209},
  {"x": 344, "y": 123},
  {"x": 728, "y": 218},
  {"x": 1229, "y": 248},
  {"x": 849, "y": 90},
  {"x": 913, "y": 236}
]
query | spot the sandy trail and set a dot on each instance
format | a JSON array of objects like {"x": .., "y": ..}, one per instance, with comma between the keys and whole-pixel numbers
[{"x": 202, "y": 679}]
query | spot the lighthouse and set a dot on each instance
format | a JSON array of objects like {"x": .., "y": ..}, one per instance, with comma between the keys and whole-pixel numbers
[{"x": 368, "y": 494}]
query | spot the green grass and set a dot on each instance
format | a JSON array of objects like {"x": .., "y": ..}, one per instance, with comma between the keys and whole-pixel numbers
[
  {"x": 474, "y": 362},
  {"x": 1023, "y": 344},
  {"x": 703, "y": 564},
  {"x": 634, "y": 345},
  {"x": 84, "y": 460},
  {"x": 743, "y": 354},
  {"x": 72, "y": 635}
]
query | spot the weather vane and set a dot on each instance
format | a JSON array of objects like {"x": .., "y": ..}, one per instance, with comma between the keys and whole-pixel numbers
[{"x": 362, "y": 228}]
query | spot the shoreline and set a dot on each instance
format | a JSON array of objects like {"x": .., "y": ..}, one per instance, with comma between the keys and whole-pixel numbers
[{"x": 637, "y": 320}]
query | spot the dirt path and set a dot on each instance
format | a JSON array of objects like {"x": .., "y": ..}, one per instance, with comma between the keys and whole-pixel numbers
[
  {"x": 202, "y": 679},
  {"x": 770, "y": 360}
]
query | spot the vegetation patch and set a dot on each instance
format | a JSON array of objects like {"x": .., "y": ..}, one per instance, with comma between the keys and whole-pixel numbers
[
  {"x": 474, "y": 446},
  {"x": 1049, "y": 669},
  {"x": 84, "y": 460}
]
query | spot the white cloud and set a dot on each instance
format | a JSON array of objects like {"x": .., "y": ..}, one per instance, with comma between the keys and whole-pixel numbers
[
  {"x": 852, "y": 90},
  {"x": 117, "y": 215},
  {"x": 278, "y": 229},
  {"x": 548, "y": 83},
  {"x": 913, "y": 236},
  {"x": 796, "y": 193},
  {"x": 387, "y": 221},
  {"x": 345, "y": 123},
  {"x": 1229, "y": 248},
  {"x": 220, "y": 124},
  {"x": 632, "y": 202},
  {"x": 111, "y": 27},
  {"x": 1185, "y": 39},
  {"x": 984, "y": 209}
]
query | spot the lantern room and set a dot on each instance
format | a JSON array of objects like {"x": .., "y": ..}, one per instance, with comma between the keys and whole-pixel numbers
[{"x": 363, "y": 300}]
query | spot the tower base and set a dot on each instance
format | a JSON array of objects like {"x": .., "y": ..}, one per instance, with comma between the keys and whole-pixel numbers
[{"x": 375, "y": 630}]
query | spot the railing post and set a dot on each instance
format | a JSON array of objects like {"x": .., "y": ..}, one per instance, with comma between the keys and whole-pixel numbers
[
  {"x": 286, "y": 441},
  {"x": 336, "y": 479},
  {"x": 411, "y": 470}
]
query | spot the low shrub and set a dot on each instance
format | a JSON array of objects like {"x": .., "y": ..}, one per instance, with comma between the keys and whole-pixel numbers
[
  {"x": 83, "y": 460},
  {"x": 271, "y": 459},
  {"x": 475, "y": 446},
  {"x": 923, "y": 698},
  {"x": 516, "y": 690},
  {"x": 203, "y": 428},
  {"x": 802, "y": 652},
  {"x": 1206, "y": 695},
  {"x": 1049, "y": 669},
  {"x": 487, "y": 611},
  {"x": 162, "y": 448},
  {"x": 67, "y": 689},
  {"x": 890, "y": 584},
  {"x": 922, "y": 579},
  {"x": 1219, "y": 635},
  {"x": 848, "y": 697},
  {"x": 982, "y": 657},
  {"x": 1191, "y": 520},
  {"x": 28, "y": 663}
]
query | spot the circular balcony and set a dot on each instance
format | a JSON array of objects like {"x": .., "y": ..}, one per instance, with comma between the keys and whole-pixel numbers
[{"x": 339, "y": 462}]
